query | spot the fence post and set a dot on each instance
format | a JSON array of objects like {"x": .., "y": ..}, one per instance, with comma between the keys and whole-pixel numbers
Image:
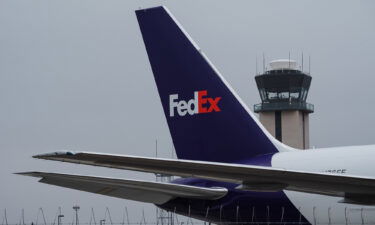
[
  {"x": 44, "y": 218},
  {"x": 5, "y": 217},
  {"x": 127, "y": 215},
  {"x": 173, "y": 215},
  {"x": 37, "y": 217},
  {"x": 237, "y": 210},
  {"x": 314, "y": 215},
  {"x": 91, "y": 218},
  {"x": 208, "y": 209},
  {"x": 253, "y": 214},
  {"x": 221, "y": 209},
  {"x": 23, "y": 215},
  {"x": 346, "y": 216},
  {"x": 189, "y": 217},
  {"x": 109, "y": 215},
  {"x": 329, "y": 215},
  {"x": 143, "y": 215},
  {"x": 176, "y": 215},
  {"x": 282, "y": 214}
]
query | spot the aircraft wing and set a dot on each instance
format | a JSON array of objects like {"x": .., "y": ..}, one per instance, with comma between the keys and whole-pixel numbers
[
  {"x": 255, "y": 178},
  {"x": 144, "y": 191}
]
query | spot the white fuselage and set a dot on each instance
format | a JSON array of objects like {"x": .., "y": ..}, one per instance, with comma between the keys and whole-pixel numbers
[{"x": 320, "y": 209}]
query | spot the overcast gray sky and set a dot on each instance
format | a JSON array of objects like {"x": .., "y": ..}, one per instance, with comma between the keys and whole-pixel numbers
[{"x": 75, "y": 75}]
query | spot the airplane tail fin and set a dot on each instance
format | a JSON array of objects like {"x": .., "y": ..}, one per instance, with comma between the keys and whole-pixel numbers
[{"x": 206, "y": 118}]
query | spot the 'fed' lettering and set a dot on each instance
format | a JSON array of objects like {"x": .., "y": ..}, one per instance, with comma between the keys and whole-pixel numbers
[{"x": 199, "y": 104}]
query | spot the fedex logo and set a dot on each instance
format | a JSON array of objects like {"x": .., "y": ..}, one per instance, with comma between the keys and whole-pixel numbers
[{"x": 199, "y": 104}]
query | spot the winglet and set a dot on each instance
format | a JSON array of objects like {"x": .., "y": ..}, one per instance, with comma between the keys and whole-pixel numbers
[
  {"x": 30, "y": 174},
  {"x": 51, "y": 154}
]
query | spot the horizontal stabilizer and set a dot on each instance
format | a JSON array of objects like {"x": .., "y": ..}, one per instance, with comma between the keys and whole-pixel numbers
[
  {"x": 255, "y": 178},
  {"x": 144, "y": 191}
]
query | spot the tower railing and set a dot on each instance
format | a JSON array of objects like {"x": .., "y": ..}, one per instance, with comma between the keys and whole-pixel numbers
[{"x": 276, "y": 106}]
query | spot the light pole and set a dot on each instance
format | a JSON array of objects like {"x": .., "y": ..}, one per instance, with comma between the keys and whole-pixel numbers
[
  {"x": 59, "y": 219},
  {"x": 76, "y": 208}
]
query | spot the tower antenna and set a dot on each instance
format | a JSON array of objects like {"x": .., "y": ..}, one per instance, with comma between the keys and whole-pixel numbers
[
  {"x": 264, "y": 66},
  {"x": 302, "y": 61},
  {"x": 156, "y": 148}
]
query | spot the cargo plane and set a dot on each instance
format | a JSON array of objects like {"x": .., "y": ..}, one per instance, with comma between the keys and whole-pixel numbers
[{"x": 231, "y": 169}]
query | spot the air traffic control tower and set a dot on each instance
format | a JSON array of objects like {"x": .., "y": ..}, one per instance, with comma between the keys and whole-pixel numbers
[{"x": 283, "y": 89}]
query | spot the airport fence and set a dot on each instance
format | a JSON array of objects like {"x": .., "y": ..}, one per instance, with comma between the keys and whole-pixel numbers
[{"x": 353, "y": 216}]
